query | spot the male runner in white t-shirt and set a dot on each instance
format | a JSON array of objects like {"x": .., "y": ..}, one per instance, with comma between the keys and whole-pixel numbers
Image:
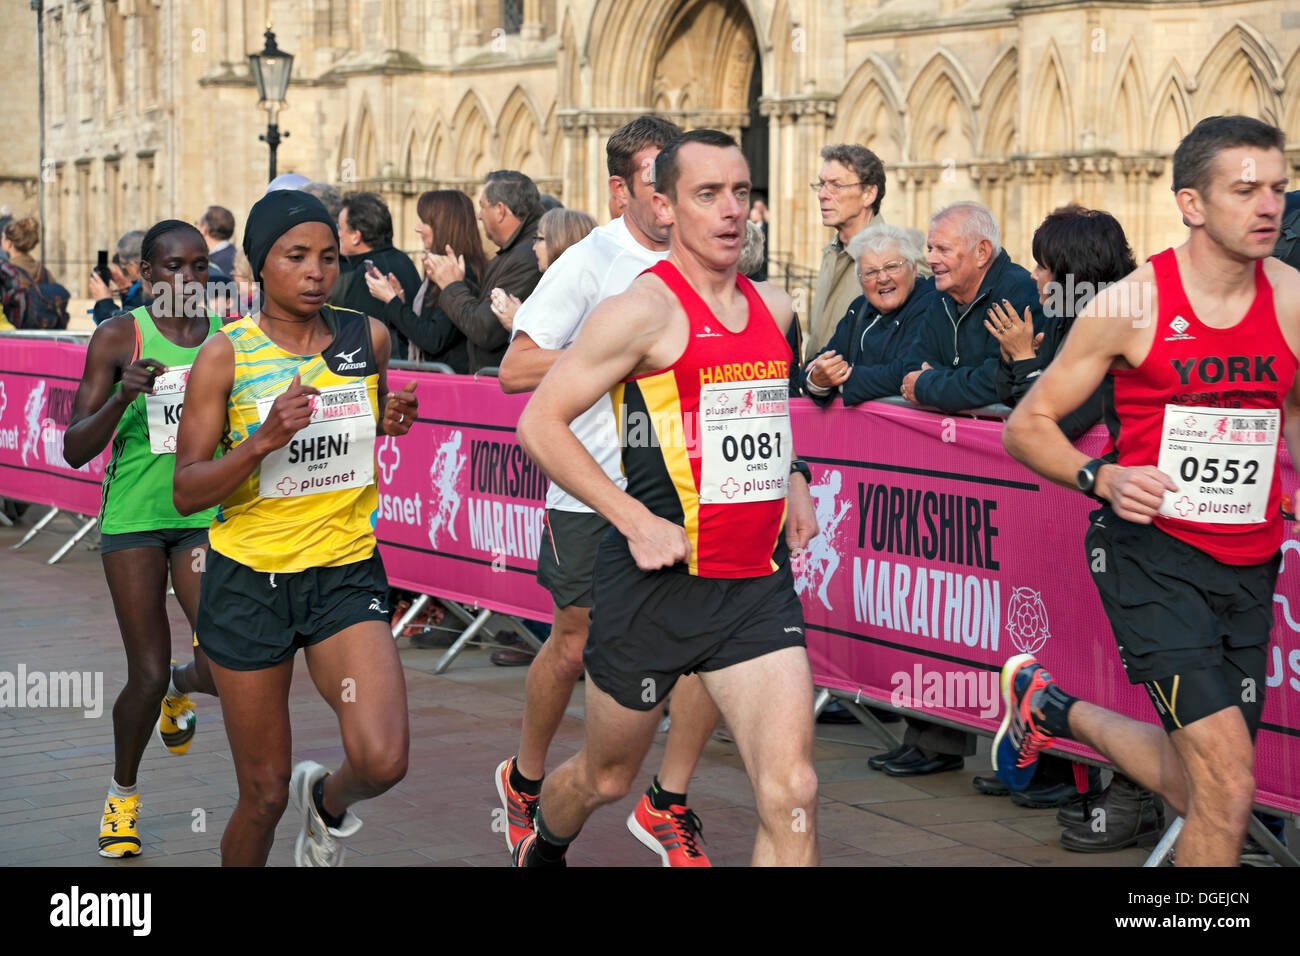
[{"x": 601, "y": 265}]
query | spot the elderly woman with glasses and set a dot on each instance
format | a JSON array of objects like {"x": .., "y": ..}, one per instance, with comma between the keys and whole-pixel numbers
[{"x": 864, "y": 358}]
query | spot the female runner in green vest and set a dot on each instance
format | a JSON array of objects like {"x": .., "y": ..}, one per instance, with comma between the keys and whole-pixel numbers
[{"x": 131, "y": 392}]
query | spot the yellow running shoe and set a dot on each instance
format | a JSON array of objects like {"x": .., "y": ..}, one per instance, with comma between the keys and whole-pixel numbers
[
  {"x": 176, "y": 724},
  {"x": 118, "y": 834}
]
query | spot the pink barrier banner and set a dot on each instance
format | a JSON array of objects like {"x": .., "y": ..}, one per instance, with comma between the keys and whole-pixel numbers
[
  {"x": 461, "y": 507},
  {"x": 38, "y": 382},
  {"x": 939, "y": 557}
]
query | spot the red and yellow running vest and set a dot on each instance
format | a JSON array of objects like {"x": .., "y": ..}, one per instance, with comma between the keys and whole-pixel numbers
[{"x": 706, "y": 441}]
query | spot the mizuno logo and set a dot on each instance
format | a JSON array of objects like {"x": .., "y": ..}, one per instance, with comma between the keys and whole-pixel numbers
[{"x": 349, "y": 357}]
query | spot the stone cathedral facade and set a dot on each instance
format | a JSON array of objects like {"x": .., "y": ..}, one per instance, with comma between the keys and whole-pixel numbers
[{"x": 150, "y": 110}]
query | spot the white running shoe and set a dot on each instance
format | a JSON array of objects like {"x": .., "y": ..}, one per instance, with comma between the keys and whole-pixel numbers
[{"x": 317, "y": 844}]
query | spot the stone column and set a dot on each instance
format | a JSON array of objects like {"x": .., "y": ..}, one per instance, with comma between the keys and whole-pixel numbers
[{"x": 532, "y": 28}]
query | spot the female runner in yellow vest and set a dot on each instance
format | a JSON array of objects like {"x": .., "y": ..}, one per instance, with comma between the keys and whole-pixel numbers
[
  {"x": 293, "y": 393},
  {"x": 130, "y": 393}
]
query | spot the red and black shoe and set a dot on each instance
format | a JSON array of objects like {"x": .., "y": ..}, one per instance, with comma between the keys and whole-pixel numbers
[
  {"x": 520, "y": 808},
  {"x": 1021, "y": 735},
  {"x": 525, "y": 854},
  {"x": 674, "y": 833}
]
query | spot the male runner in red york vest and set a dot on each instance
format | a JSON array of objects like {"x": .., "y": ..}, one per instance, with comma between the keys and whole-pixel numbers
[
  {"x": 1185, "y": 548},
  {"x": 695, "y": 573}
]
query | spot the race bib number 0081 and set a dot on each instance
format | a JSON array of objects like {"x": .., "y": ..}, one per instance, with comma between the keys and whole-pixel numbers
[
  {"x": 336, "y": 450},
  {"x": 162, "y": 409},
  {"x": 1222, "y": 461},
  {"x": 744, "y": 441}
]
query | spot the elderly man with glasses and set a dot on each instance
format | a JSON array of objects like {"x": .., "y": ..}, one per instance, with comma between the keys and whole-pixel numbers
[
  {"x": 865, "y": 358},
  {"x": 850, "y": 188}
]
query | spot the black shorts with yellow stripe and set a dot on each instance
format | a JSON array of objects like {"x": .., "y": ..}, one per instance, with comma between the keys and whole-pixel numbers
[{"x": 1192, "y": 630}]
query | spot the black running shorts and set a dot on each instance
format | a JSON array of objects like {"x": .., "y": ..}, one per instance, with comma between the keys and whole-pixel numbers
[
  {"x": 168, "y": 539},
  {"x": 568, "y": 555},
  {"x": 249, "y": 620},
  {"x": 648, "y": 628},
  {"x": 1193, "y": 630}
]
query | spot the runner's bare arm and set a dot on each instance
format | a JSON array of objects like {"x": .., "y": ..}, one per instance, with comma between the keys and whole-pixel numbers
[
  {"x": 382, "y": 344},
  {"x": 525, "y": 364},
  {"x": 97, "y": 410},
  {"x": 616, "y": 341},
  {"x": 1108, "y": 330},
  {"x": 200, "y": 480}
]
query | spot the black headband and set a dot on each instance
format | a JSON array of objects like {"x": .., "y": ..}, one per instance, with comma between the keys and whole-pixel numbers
[{"x": 275, "y": 214}]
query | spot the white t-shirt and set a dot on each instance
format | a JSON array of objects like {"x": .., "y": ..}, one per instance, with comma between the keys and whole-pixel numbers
[{"x": 603, "y": 264}]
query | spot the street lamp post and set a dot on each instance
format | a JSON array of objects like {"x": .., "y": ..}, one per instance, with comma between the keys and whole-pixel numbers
[{"x": 271, "y": 69}]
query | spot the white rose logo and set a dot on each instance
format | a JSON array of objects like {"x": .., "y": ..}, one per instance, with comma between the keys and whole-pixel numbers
[{"x": 1027, "y": 620}]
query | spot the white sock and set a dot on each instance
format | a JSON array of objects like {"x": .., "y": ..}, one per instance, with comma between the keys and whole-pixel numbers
[
  {"x": 171, "y": 683},
  {"x": 115, "y": 789}
]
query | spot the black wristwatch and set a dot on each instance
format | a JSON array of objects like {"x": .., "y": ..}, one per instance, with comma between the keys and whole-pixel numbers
[
  {"x": 801, "y": 466},
  {"x": 1086, "y": 478}
]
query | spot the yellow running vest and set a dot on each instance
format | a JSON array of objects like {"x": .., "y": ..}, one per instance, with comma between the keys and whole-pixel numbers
[{"x": 312, "y": 503}]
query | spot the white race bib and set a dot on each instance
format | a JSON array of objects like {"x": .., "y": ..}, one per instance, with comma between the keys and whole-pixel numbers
[
  {"x": 1222, "y": 461},
  {"x": 335, "y": 451},
  {"x": 162, "y": 409},
  {"x": 744, "y": 441}
]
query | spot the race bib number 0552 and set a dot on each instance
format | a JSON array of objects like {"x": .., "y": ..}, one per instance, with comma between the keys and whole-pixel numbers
[
  {"x": 1222, "y": 461},
  {"x": 744, "y": 441},
  {"x": 335, "y": 451},
  {"x": 162, "y": 409}
]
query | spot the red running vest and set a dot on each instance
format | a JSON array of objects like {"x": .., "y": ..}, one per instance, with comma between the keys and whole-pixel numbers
[
  {"x": 1215, "y": 450},
  {"x": 706, "y": 441}
]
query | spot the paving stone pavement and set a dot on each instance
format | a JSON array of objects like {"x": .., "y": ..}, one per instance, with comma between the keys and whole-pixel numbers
[{"x": 55, "y": 765}]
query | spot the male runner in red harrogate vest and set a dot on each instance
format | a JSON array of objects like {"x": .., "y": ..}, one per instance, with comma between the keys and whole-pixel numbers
[
  {"x": 695, "y": 575},
  {"x": 1202, "y": 343}
]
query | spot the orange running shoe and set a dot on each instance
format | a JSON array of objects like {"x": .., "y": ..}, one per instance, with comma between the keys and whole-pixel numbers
[
  {"x": 673, "y": 833},
  {"x": 519, "y": 807}
]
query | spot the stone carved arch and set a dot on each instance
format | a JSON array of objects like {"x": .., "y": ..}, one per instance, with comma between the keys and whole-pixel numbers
[
  {"x": 941, "y": 105},
  {"x": 1241, "y": 74},
  {"x": 365, "y": 151},
  {"x": 629, "y": 58},
  {"x": 999, "y": 98},
  {"x": 1171, "y": 114},
  {"x": 1128, "y": 99},
  {"x": 435, "y": 150},
  {"x": 1053, "y": 111},
  {"x": 519, "y": 135},
  {"x": 875, "y": 116},
  {"x": 473, "y": 139}
]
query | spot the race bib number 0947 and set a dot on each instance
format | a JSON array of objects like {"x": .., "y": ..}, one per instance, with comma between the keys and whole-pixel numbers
[
  {"x": 335, "y": 451},
  {"x": 1222, "y": 461},
  {"x": 744, "y": 441}
]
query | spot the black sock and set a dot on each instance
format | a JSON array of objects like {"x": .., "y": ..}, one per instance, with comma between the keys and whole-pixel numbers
[
  {"x": 521, "y": 783},
  {"x": 550, "y": 848},
  {"x": 318, "y": 798},
  {"x": 662, "y": 799},
  {"x": 1054, "y": 704}
]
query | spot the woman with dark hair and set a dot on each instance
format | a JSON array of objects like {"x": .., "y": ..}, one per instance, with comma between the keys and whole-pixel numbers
[
  {"x": 1077, "y": 253},
  {"x": 447, "y": 218},
  {"x": 137, "y": 367}
]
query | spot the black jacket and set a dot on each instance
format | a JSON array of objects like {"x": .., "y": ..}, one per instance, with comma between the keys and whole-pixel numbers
[
  {"x": 1016, "y": 378},
  {"x": 351, "y": 292},
  {"x": 107, "y": 308},
  {"x": 470, "y": 308},
  {"x": 963, "y": 356},
  {"x": 432, "y": 331},
  {"x": 875, "y": 344}
]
